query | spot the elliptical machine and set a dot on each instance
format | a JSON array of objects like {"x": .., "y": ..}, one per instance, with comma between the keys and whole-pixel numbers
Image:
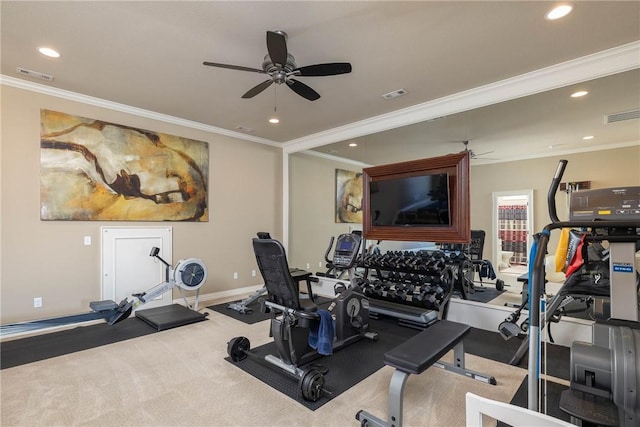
[
  {"x": 605, "y": 375},
  {"x": 343, "y": 259},
  {"x": 296, "y": 323}
]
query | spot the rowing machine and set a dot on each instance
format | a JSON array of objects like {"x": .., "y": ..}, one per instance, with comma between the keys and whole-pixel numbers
[{"x": 188, "y": 275}]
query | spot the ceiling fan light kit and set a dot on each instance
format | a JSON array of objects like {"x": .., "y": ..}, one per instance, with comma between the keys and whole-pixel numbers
[{"x": 281, "y": 67}]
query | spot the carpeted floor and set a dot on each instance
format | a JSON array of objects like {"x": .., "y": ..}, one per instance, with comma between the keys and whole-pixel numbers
[
  {"x": 179, "y": 377},
  {"x": 346, "y": 367}
]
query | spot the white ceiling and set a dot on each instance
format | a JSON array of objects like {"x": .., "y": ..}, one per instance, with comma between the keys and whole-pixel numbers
[{"x": 149, "y": 55}]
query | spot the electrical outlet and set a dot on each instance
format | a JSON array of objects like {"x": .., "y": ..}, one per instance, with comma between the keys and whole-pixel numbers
[
  {"x": 235, "y": 275},
  {"x": 37, "y": 302},
  {"x": 253, "y": 273},
  {"x": 319, "y": 263},
  {"x": 308, "y": 266},
  {"x": 87, "y": 240}
]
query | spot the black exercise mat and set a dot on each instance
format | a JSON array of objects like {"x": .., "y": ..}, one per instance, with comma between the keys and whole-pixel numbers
[
  {"x": 553, "y": 399},
  {"x": 32, "y": 349},
  {"x": 170, "y": 316},
  {"x": 347, "y": 367},
  {"x": 491, "y": 345},
  {"x": 255, "y": 316},
  {"x": 486, "y": 295}
]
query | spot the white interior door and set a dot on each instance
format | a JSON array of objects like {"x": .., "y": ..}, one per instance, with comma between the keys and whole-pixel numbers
[
  {"x": 516, "y": 230},
  {"x": 127, "y": 266}
]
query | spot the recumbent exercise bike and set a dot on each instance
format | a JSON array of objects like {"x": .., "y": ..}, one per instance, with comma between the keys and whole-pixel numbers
[{"x": 294, "y": 320}]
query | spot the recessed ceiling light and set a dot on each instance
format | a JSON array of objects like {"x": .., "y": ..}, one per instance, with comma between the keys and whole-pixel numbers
[
  {"x": 579, "y": 93},
  {"x": 353, "y": 144},
  {"x": 274, "y": 120},
  {"x": 558, "y": 12},
  {"x": 588, "y": 137},
  {"x": 47, "y": 51}
]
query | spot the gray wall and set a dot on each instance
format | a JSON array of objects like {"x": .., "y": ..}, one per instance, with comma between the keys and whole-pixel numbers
[{"x": 48, "y": 258}]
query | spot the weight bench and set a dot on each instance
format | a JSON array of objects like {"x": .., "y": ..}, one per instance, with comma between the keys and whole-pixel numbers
[{"x": 414, "y": 356}]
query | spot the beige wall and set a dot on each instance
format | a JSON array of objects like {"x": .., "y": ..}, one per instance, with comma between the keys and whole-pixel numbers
[
  {"x": 312, "y": 209},
  {"x": 312, "y": 193},
  {"x": 607, "y": 168},
  {"x": 48, "y": 258}
]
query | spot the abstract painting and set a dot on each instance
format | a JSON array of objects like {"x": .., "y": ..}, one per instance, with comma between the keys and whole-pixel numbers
[
  {"x": 92, "y": 170},
  {"x": 348, "y": 196}
]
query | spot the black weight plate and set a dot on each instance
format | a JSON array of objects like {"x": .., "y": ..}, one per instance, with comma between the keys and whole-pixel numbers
[
  {"x": 311, "y": 385},
  {"x": 237, "y": 348}
]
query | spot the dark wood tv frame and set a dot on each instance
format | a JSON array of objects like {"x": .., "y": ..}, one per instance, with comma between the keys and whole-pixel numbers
[{"x": 457, "y": 168}]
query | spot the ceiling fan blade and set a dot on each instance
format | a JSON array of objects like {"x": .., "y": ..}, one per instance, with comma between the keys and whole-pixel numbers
[
  {"x": 277, "y": 47},
  {"x": 303, "y": 90},
  {"x": 233, "y": 67},
  {"x": 330, "y": 69},
  {"x": 257, "y": 89},
  {"x": 482, "y": 154}
]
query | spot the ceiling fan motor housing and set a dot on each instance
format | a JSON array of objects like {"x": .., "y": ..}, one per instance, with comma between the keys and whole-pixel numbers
[
  {"x": 281, "y": 67},
  {"x": 278, "y": 74}
]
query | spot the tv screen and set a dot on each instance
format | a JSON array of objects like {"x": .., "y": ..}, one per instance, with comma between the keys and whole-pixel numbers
[
  {"x": 425, "y": 200},
  {"x": 414, "y": 201}
]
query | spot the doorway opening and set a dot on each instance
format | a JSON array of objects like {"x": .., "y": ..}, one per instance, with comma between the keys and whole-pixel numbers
[{"x": 512, "y": 230}]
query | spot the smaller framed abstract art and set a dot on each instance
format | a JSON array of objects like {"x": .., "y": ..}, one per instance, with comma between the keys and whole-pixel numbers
[
  {"x": 348, "y": 196},
  {"x": 91, "y": 170}
]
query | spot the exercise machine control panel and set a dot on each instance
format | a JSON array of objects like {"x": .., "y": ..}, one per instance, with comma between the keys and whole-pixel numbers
[
  {"x": 346, "y": 250},
  {"x": 612, "y": 204}
]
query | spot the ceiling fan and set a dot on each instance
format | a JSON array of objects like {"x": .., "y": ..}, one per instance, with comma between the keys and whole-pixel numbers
[
  {"x": 281, "y": 67},
  {"x": 475, "y": 155}
]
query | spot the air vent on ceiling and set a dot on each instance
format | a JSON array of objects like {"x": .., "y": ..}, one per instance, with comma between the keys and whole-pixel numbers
[
  {"x": 394, "y": 94},
  {"x": 243, "y": 128},
  {"x": 35, "y": 74},
  {"x": 619, "y": 117}
]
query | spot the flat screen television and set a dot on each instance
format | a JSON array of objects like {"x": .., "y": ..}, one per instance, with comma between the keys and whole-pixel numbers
[
  {"x": 423, "y": 200},
  {"x": 412, "y": 201}
]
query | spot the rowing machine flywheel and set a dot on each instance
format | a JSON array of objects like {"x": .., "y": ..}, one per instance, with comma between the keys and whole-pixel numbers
[{"x": 190, "y": 274}]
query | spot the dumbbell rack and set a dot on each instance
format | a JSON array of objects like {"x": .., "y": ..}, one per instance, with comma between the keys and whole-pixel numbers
[{"x": 414, "y": 287}]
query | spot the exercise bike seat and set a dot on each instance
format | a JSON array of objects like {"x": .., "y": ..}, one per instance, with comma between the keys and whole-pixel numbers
[{"x": 281, "y": 287}]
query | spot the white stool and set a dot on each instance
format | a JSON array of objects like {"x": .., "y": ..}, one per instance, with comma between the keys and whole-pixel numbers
[{"x": 506, "y": 257}]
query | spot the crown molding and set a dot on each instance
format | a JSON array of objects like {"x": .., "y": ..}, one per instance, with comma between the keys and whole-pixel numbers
[
  {"x": 335, "y": 158},
  {"x": 103, "y": 103},
  {"x": 600, "y": 64}
]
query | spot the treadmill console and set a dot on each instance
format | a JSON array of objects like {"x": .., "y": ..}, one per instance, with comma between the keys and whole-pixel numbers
[
  {"x": 613, "y": 204},
  {"x": 346, "y": 251}
]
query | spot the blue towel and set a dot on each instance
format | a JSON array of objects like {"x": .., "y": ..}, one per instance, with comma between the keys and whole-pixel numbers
[
  {"x": 321, "y": 337},
  {"x": 486, "y": 270}
]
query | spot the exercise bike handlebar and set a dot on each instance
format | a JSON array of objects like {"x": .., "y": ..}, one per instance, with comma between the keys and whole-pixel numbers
[{"x": 297, "y": 313}]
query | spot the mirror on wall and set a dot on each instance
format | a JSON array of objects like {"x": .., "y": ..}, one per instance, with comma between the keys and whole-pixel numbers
[{"x": 538, "y": 128}]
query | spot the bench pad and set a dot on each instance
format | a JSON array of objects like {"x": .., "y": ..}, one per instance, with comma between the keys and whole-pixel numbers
[{"x": 423, "y": 350}]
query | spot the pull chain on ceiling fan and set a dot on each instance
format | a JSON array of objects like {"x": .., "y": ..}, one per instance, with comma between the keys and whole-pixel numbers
[{"x": 281, "y": 67}]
